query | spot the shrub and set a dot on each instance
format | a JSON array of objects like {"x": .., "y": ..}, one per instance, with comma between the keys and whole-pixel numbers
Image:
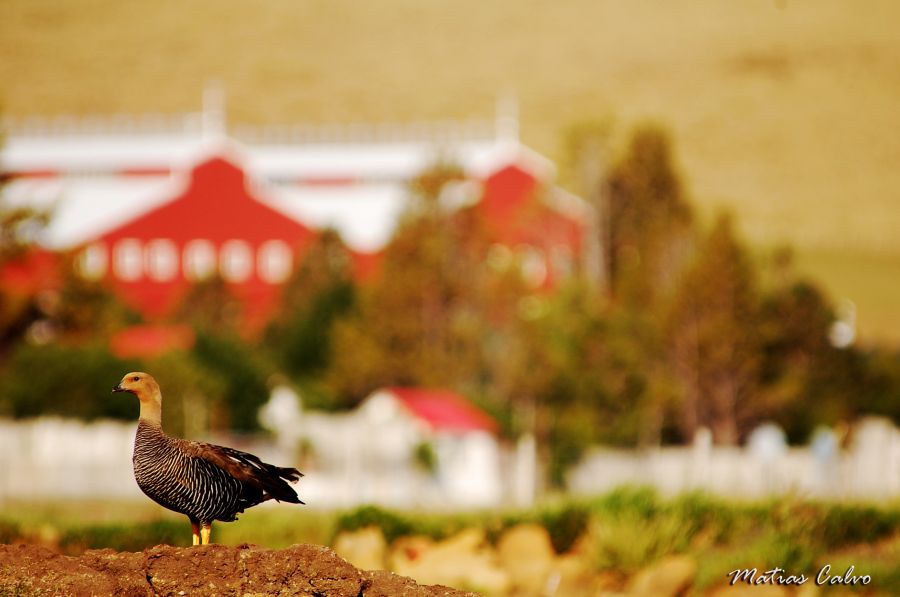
[
  {"x": 565, "y": 524},
  {"x": 125, "y": 537},
  {"x": 629, "y": 541},
  {"x": 392, "y": 524},
  {"x": 846, "y": 524},
  {"x": 9, "y": 531}
]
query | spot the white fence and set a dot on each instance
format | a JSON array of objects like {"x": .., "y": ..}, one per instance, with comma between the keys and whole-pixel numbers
[
  {"x": 55, "y": 458},
  {"x": 58, "y": 458},
  {"x": 868, "y": 468}
]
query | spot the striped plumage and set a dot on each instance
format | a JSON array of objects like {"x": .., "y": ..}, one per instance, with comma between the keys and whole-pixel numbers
[{"x": 204, "y": 481}]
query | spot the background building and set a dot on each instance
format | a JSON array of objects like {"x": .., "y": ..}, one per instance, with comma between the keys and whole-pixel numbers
[{"x": 153, "y": 204}]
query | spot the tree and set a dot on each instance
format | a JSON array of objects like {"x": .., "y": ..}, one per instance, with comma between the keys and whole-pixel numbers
[
  {"x": 63, "y": 380},
  {"x": 412, "y": 326},
  {"x": 83, "y": 310},
  {"x": 320, "y": 292},
  {"x": 795, "y": 318},
  {"x": 19, "y": 229},
  {"x": 242, "y": 375},
  {"x": 650, "y": 220},
  {"x": 210, "y": 306},
  {"x": 713, "y": 337}
]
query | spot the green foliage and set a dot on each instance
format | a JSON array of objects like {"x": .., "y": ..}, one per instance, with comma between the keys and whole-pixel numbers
[
  {"x": 19, "y": 227},
  {"x": 69, "y": 381},
  {"x": 425, "y": 457},
  {"x": 420, "y": 322},
  {"x": 392, "y": 524},
  {"x": 192, "y": 393},
  {"x": 649, "y": 219},
  {"x": 318, "y": 294},
  {"x": 712, "y": 333},
  {"x": 237, "y": 366},
  {"x": 628, "y": 542},
  {"x": 210, "y": 306},
  {"x": 642, "y": 501},
  {"x": 86, "y": 309},
  {"x": 125, "y": 537},
  {"x": 565, "y": 523},
  {"x": 305, "y": 343},
  {"x": 632, "y": 527},
  {"x": 843, "y": 524},
  {"x": 10, "y": 531}
]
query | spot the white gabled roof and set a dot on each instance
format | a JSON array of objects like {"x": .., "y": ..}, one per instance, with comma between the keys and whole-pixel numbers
[{"x": 99, "y": 173}]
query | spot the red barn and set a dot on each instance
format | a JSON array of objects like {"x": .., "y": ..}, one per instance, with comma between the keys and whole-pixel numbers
[
  {"x": 546, "y": 229},
  {"x": 199, "y": 214},
  {"x": 214, "y": 226}
]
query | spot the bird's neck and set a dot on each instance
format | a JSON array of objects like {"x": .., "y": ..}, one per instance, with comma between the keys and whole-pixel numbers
[{"x": 151, "y": 408}]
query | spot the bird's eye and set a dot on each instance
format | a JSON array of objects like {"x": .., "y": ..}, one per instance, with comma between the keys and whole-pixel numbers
[{"x": 135, "y": 378}]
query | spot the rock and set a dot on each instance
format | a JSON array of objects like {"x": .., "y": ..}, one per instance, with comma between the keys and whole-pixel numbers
[
  {"x": 170, "y": 570},
  {"x": 571, "y": 576},
  {"x": 669, "y": 577},
  {"x": 464, "y": 560},
  {"x": 364, "y": 548},
  {"x": 388, "y": 584},
  {"x": 35, "y": 570},
  {"x": 526, "y": 553},
  {"x": 306, "y": 570},
  {"x": 408, "y": 548},
  {"x": 299, "y": 570}
]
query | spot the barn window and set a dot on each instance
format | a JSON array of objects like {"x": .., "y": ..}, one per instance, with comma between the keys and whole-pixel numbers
[
  {"x": 199, "y": 260},
  {"x": 533, "y": 264},
  {"x": 161, "y": 259},
  {"x": 93, "y": 262},
  {"x": 274, "y": 261},
  {"x": 236, "y": 261},
  {"x": 128, "y": 260}
]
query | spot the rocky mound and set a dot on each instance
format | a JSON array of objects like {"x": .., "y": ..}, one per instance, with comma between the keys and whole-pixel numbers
[{"x": 308, "y": 570}]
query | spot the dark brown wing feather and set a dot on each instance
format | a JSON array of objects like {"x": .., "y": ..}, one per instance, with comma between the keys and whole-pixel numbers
[{"x": 270, "y": 479}]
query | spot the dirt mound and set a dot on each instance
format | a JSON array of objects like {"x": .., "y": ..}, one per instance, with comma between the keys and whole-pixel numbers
[{"x": 309, "y": 570}]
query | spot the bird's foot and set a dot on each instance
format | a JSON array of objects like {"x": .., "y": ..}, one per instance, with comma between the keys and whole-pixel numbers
[{"x": 205, "y": 532}]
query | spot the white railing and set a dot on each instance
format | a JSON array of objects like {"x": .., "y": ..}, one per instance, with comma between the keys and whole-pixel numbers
[
  {"x": 115, "y": 125},
  {"x": 53, "y": 458},
  {"x": 867, "y": 468},
  {"x": 194, "y": 124}
]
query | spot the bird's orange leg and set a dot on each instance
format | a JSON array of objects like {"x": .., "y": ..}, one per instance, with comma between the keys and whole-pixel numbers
[
  {"x": 205, "y": 532},
  {"x": 195, "y": 530}
]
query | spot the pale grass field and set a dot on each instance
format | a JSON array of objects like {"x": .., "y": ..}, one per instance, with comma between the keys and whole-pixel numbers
[
  {"x": 272, "y": 525},
  {"x": 786, "y": 112}
]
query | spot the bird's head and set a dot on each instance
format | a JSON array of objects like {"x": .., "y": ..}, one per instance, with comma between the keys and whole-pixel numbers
[{"x": 141, "y": 385}]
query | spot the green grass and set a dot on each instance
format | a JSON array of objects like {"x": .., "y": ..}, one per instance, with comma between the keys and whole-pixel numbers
[
  {"x": 621, "y": 532},
  {"x": 784, "y": 112},
  {"x": 132, "y": 526}
]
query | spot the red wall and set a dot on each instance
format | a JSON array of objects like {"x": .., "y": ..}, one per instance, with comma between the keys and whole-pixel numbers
[{"x": 216, "y": 208}]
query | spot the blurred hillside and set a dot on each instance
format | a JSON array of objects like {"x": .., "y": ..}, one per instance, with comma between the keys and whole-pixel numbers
[{"x": 783, "y": 111}]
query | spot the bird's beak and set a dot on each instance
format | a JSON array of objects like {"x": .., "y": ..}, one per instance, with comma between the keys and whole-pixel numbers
[{"x": 118, "y": 388}]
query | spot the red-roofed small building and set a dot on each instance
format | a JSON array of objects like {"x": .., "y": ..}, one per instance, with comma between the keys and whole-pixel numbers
[
  {"x": 374, "y": 454},
  {"x": 462, "y": 436},
  {"x": 443, "y": 410}
]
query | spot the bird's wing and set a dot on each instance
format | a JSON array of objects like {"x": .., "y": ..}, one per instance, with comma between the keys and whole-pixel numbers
[{"x": 248, "y": 468}]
